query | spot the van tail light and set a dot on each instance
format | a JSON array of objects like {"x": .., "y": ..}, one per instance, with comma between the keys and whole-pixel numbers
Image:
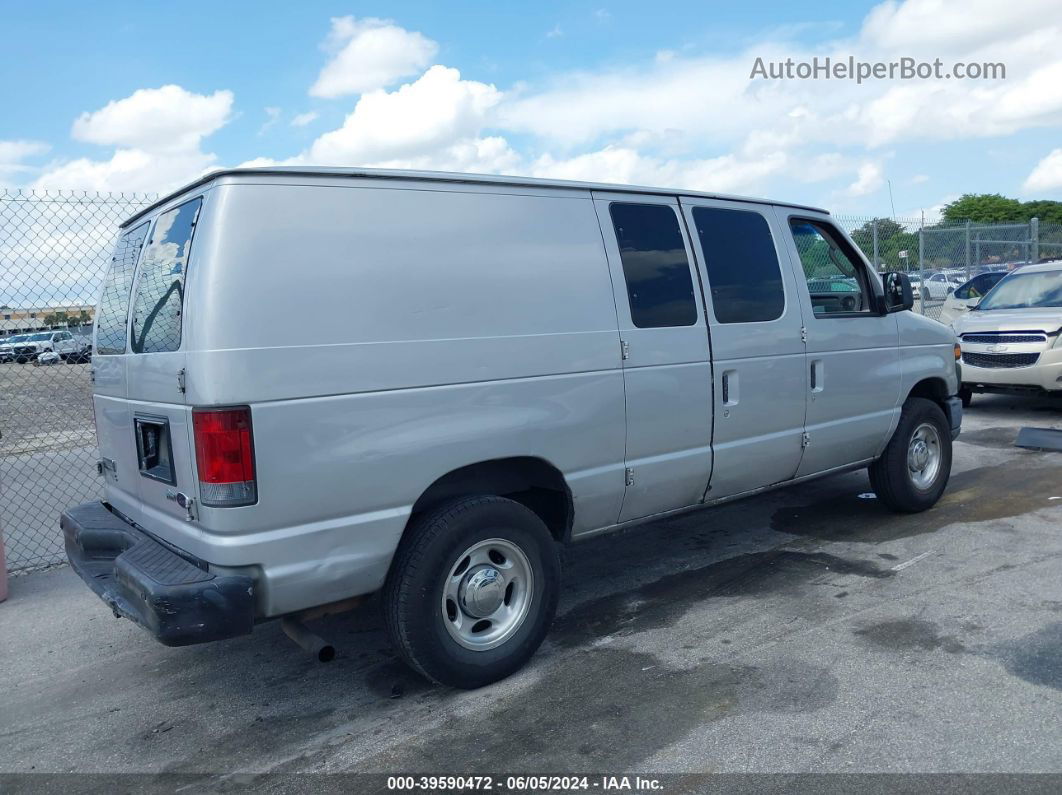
[{"x": 224, "y": 455}]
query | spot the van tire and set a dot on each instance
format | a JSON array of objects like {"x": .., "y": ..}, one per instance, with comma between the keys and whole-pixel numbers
[
  {"x": 414, "y": 606},
  {"x": 891, "y": 477},
  {"x": 966, "y": 396}
]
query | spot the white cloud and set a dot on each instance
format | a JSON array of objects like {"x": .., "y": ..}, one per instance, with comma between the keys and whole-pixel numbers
[
  {"x": 710, "y": 101},
  {"x": 272, "y": 117},
  {"x": 431, "y": 116},
  {"x": 302, "y": 119},
  {"x": 14, "y": 153},
  {"x": 1048, "y": 173},
  {"x": 952, "y": 27},
  {"x": 168, "y": 118},
  {"x": 725, "y": 174},
  {"x": 127, "y": 170},
  {"x": 369, "y": 54},
  {"x": 868, "y": 179},
  {"x": 157, "y": 133},
  {"x": 555, "y": 32}
]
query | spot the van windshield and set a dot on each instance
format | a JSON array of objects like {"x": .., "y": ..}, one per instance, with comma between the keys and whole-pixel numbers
[{"x": 1025, "y": 291}]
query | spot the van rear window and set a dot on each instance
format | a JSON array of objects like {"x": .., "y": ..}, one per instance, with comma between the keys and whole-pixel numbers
[
  {"x": 160, "y": 289},
  {"x": 114, "y": 303}
]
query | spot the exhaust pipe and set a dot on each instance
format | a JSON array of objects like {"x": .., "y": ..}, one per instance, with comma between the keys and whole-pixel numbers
[{"x": 309, "y": 641}]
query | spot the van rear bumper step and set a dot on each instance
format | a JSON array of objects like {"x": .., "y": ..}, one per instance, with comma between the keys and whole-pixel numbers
[{"x": 143, "y": 580}]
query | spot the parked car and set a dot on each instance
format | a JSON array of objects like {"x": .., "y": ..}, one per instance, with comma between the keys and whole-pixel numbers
[
  {"x": 938, "y": 286},
  {"x": 499, "y": 366},
  {"x": 60, "y": 342},
  {"x": 840, "y": 292},
  {"x": 968, "y": 295},
  {"x": 7, "y": 344},
  {"x": 1012, "y": 340},
  {"x": 82, "y": 353},
  {"x": 916, "y": 285}
]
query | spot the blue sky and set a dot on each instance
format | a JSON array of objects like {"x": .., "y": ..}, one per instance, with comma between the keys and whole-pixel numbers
[{"x": 123, "y": 96}]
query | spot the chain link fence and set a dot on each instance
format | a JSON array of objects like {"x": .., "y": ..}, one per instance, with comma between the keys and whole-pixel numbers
[
  {"x": 941, "y": 257},
  {"x": 54, "y": 248},
  {"x": 54, "y": 251}
]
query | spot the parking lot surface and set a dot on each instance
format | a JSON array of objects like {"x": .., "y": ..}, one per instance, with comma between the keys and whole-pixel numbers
[
  {"x": 47, "y": 455},
  {"x": 806, "y": 630}
]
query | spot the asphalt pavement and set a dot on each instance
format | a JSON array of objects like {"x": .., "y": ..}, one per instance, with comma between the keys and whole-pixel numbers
[{"x": 806, "y": 630}]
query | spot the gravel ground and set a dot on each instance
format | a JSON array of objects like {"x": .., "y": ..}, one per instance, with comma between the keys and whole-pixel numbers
[{"x": 802, "y": 631}]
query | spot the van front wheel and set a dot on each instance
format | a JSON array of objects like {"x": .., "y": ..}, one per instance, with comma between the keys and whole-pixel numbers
[
  {"x": 913, "y": 471},
  {"x": 472, "y": 591}
]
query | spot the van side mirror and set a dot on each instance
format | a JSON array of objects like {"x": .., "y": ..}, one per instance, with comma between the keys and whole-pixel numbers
[{"x": 898, "y": 295}]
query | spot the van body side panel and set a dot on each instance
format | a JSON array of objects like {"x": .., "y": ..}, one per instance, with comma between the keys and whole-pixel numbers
[
  {"x": 759, "y": 376},
  {"x": 668, "y": 380},
  {"x": 384, "y": 338},
  {"x": 922, "y": 356}
]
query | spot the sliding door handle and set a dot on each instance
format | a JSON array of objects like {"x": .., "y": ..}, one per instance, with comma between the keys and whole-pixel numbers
[
  {"x": 730, "y": 387},
  {"x": 817, "y": 378}
]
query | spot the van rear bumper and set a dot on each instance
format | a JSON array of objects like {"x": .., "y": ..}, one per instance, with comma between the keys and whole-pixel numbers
[{"x": 139, "y": 578}]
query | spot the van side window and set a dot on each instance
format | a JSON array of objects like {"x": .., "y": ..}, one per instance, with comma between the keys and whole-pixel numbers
[
  {"x": 114, "y": 303},
  {"x": 742, "y": 265},
  {"x": 160, "y": 290},
  {"x": 837, "y": 279},
  {"x": 655, "y": 265}
]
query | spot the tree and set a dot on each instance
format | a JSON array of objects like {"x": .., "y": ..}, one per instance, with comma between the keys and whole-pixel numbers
[
  {"x": 993, "y": 208},
  {"x": 984, "y": 208},
  {"x": 1048, "y": 212}
]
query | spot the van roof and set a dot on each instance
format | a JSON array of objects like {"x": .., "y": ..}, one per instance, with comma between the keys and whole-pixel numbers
[{"x": 446, "y": 176}]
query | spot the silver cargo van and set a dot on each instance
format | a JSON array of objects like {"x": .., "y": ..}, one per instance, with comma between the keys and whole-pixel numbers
[{"x": 315, "y": 384}]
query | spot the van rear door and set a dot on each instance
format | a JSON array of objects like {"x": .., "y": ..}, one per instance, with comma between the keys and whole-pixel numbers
[
  {"x": 159, "y": 418},
  {"x": 117, "y": 454}
]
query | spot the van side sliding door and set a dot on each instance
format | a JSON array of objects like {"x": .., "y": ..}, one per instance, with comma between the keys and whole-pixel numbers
[
  {"x": 755, "y": 321},
  {"x": 664, "y": 350}
]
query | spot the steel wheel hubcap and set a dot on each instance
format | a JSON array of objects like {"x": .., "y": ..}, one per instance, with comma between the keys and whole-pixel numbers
[
  {"x": 487, "y": 594},
  {"x": 923, "y": 456}
]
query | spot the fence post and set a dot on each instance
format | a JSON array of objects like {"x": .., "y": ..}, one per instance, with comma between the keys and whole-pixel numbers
[
  {"x": 967, "y": 247},
  {"x": 922, "y": 247},
  {"x": 1034, "y": 238},
  {"x": 875, "y": 228}
]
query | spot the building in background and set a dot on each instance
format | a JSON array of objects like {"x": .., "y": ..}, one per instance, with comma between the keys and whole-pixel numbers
[{"x": 19, "y": 320}]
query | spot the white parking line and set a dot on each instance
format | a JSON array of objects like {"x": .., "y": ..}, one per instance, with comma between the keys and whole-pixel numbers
[{"x": 911, "y": 562}]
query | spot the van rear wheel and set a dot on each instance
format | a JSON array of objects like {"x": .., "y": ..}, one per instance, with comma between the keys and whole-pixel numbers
[
  {"x": 913, "y": 471},
  {"x": 472, "y": 591}
]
